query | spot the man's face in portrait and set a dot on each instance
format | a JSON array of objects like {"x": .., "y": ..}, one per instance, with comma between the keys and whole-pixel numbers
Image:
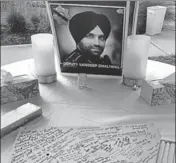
[{"x": 93, "y": 43}]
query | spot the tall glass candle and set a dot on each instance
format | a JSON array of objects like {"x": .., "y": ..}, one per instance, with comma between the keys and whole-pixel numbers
[
  {"x": 43, "y": 53},
  {"x": 136, "y": 56}
]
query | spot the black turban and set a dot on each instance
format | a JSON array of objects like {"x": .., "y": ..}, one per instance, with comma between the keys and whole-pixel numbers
[{"x": 82, "y": 23}]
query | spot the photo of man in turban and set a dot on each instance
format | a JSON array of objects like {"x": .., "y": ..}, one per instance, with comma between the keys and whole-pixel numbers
[
  {"x": 90, "y": 31},
  {"x": 89, "y": 38}
]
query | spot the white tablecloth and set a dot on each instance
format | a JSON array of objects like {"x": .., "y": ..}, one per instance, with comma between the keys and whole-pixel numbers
[{"x": 104, "y": 102}]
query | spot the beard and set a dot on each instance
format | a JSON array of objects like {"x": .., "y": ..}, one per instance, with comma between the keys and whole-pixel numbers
[{"x": 92, "y": 50}]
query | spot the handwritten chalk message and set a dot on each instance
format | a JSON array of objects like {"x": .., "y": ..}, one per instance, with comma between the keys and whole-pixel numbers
[{"x": 131, "y": 143}]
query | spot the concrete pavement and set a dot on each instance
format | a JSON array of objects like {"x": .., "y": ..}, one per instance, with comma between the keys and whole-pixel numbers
[{"x": 163, "y": 44}]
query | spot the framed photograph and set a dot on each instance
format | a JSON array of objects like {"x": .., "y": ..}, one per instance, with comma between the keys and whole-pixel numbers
[{"x": 89, "y": 38}]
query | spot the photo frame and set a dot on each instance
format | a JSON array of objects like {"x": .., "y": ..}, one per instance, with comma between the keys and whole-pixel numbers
[{"x": 76, "y": 51}]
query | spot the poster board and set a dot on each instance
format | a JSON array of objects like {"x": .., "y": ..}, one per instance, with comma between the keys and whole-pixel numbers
[
  {"x": 77, "y": 52},
  {"x": 137, "y": 143}
]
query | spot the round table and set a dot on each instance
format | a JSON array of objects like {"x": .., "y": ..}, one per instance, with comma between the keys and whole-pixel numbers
[{"x": 105, "y": 101}]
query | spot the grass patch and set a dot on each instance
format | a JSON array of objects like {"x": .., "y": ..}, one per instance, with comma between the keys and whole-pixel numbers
[
  {"x": 16, "y": 22},
  {"x": 165, "y": 59},
  {"x": 15, "y": 38},
  {"x": 21, "y": 20},
  {"x": 18, "y": 36}
]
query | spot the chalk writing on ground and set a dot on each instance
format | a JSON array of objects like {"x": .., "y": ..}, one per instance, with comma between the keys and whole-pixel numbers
[{"x": 137, "y": 143}]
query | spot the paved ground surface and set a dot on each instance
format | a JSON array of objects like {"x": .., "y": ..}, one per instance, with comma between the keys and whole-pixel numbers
[{"x": 163, "y": 44}]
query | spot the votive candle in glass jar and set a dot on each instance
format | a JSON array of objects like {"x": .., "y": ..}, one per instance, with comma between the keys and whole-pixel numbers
[
  {"x": 81, "y": 81},
  {"x": 43, "y": 54}
]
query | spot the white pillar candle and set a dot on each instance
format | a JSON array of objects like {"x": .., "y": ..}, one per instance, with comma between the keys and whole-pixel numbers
[
  {"x": 43, "y": 53},
  {"x": 161, "y": 152},
  {"x": 174, "y": 159},
  {"x": 136, "y": 56},
  {"x": 171, "y": 153},
  {"x": 166, "y": 152}
]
